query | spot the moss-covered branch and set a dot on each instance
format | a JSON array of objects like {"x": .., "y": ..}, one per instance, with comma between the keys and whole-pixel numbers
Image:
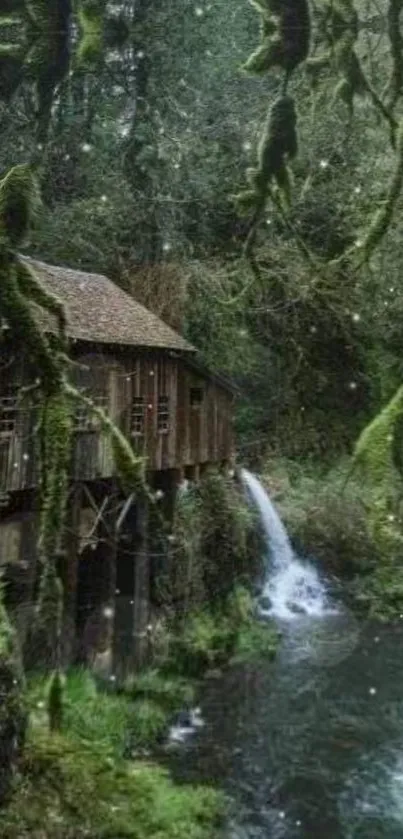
[
  {"x": 31, "y": 287},
  {"x": 129, "y": 466},
  {"x": 384, "y": 216}
]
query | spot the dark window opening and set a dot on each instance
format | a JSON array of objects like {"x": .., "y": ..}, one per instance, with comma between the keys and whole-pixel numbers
[
  {"x": 163, "y": 414},
  {"x": 8, "y": 416},
  {"x": 137, "y": 416},
  {"x": 196, "y": 396}
]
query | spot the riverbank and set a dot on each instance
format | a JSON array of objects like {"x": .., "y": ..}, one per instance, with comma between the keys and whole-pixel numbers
[{"x": 99, "y": 775}]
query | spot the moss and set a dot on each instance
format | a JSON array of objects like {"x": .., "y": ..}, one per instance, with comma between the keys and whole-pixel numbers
[
  {"x": 43, "y": 642},
  {"x": 212, "y": 638},
  {"x": 285, "y": 36},
  {"x": 256, "y": 640},
  {"x": 394, "y": 89},
  {"x": 374, "y": 449},
  {"x": 55, "y": 435},
  {"x": 384, "y": 216},
  {"x": 31, "y": 287},
  {"x": 55, "y": 701},
  {"x": 19, "y": 201},
  {"x": 55, "y": 431},
  {"x": 340, "y": 32},
  {"x": 91, "y": 42},
  {"x": 70, "y": 790},
  {"x": 278, "y": 144},
  {"x": 13, "y": 715},
  {"x": 76, "y": 782},
  {"x": 172, "y": 692}
]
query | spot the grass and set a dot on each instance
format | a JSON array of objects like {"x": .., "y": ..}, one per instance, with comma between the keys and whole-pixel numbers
[
  {"x": 257, "y": 640},
  {"x": 77, "y": 784},
  {"x": 171, "y": 691},
  {"x": 87, "y": 781},
  {"x": 68, "y": 790}
]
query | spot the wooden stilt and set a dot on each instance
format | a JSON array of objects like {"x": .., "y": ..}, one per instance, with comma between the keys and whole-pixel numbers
[
  {"x": 68, "y": 573},
  {"x": 141, "y": 607}
]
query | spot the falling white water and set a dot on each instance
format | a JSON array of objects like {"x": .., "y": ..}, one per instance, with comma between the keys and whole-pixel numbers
[{"x": 292, "y": 586}]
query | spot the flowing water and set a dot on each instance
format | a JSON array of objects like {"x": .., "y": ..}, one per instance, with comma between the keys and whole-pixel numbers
[
  {"x": 291, "y": 586},
  {"x": 310, "y": 747}
]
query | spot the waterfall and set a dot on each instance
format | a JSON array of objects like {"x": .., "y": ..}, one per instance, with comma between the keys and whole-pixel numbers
[{"x": 292, "y": 586}]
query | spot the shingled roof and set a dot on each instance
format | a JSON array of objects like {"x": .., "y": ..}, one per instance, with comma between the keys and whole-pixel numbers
[{"x": 100, "y": 312}]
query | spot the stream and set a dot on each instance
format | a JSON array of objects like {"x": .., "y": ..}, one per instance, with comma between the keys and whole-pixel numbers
[{"x": 310, "y": 746}]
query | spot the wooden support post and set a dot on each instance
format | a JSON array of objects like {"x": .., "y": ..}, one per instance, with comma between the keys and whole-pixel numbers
[
  {"x": 69, "y": 575},
  {"x": 141, "y": 607},
  {"x": 109, "y": 531}
]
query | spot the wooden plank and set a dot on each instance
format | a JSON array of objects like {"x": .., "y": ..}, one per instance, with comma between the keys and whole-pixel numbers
[{"x": 173, "y": 394}]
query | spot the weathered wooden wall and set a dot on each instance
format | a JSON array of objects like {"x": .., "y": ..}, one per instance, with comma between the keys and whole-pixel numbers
[{"x": 174, "y": 416}]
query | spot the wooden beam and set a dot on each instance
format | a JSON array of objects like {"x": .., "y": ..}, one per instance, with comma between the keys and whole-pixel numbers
[
  {"x": 141, "y": 608},
  {"x": 69, "y": 573}
]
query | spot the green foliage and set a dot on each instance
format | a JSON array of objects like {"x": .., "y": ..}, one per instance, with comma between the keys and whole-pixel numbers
[
  {"x": 229, "y": 534},
  {"x": 285, "y": 36},
  {"x": 374, "y": 448},
  {"x": 76, "y": 782},
  {"x": 70, "y": 789},
  {"x": 215, "y": 545},
  {"x": 148, "y": 724},
  {"x": 256, "y": 640},
  {"x": 384, "y": 216},
  {"x": 345, "y": 527},
  {"x": 395, "y": 83},
  {"x": 325, "y": 521},
  {"x": 278, "y": 145},
  {"x": 207, "y": 640},
  {"x": 55, "y": 701},
  {"x": 91, "y": 23},
  {"x": 13, "y": 716},
  {"x": 212, "y": 637},
  {"x": 171, "y": 691},
  {"x": 19, "y": 202}
]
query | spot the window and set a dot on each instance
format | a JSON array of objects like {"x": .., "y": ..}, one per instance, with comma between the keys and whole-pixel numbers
[
  {"x": 196, "y": 397},
  {"x": 163, "y": 414},
  {"x": 8, "y": 416},
  {"x": 85, "y": 420},
  {"x": 137, "y": 417}
]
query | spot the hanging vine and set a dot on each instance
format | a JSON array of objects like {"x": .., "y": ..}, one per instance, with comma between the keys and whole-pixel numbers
[
  {"x": 338, "y": 31},
  {"x": 395, "y": 84},
  {"x": 285, "y": 30}
]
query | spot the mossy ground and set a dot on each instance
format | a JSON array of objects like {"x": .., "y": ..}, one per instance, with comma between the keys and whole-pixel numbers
[
  {"x": 77, "y": 783},
  {"x": 71, "y": 790},
  {"x": 94, "y": 779}
]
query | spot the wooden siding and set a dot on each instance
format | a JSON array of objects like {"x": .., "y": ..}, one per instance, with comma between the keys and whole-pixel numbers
[{"x": 164, "y": 426}]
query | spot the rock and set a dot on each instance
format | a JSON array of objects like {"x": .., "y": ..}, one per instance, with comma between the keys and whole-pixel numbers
[
  {"x": 265, "y": 602},
  {"x": 296, "y": 608}
]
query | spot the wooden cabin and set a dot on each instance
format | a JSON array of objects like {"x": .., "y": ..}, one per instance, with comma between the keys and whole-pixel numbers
[{"x": 177, "y": 414}]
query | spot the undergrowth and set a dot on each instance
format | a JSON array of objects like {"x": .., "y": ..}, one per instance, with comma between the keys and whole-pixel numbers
[
  {"x": 72, "y": 790},
  {"x": 78, "y": 783},
  {"x": 330, "y": 521}
]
